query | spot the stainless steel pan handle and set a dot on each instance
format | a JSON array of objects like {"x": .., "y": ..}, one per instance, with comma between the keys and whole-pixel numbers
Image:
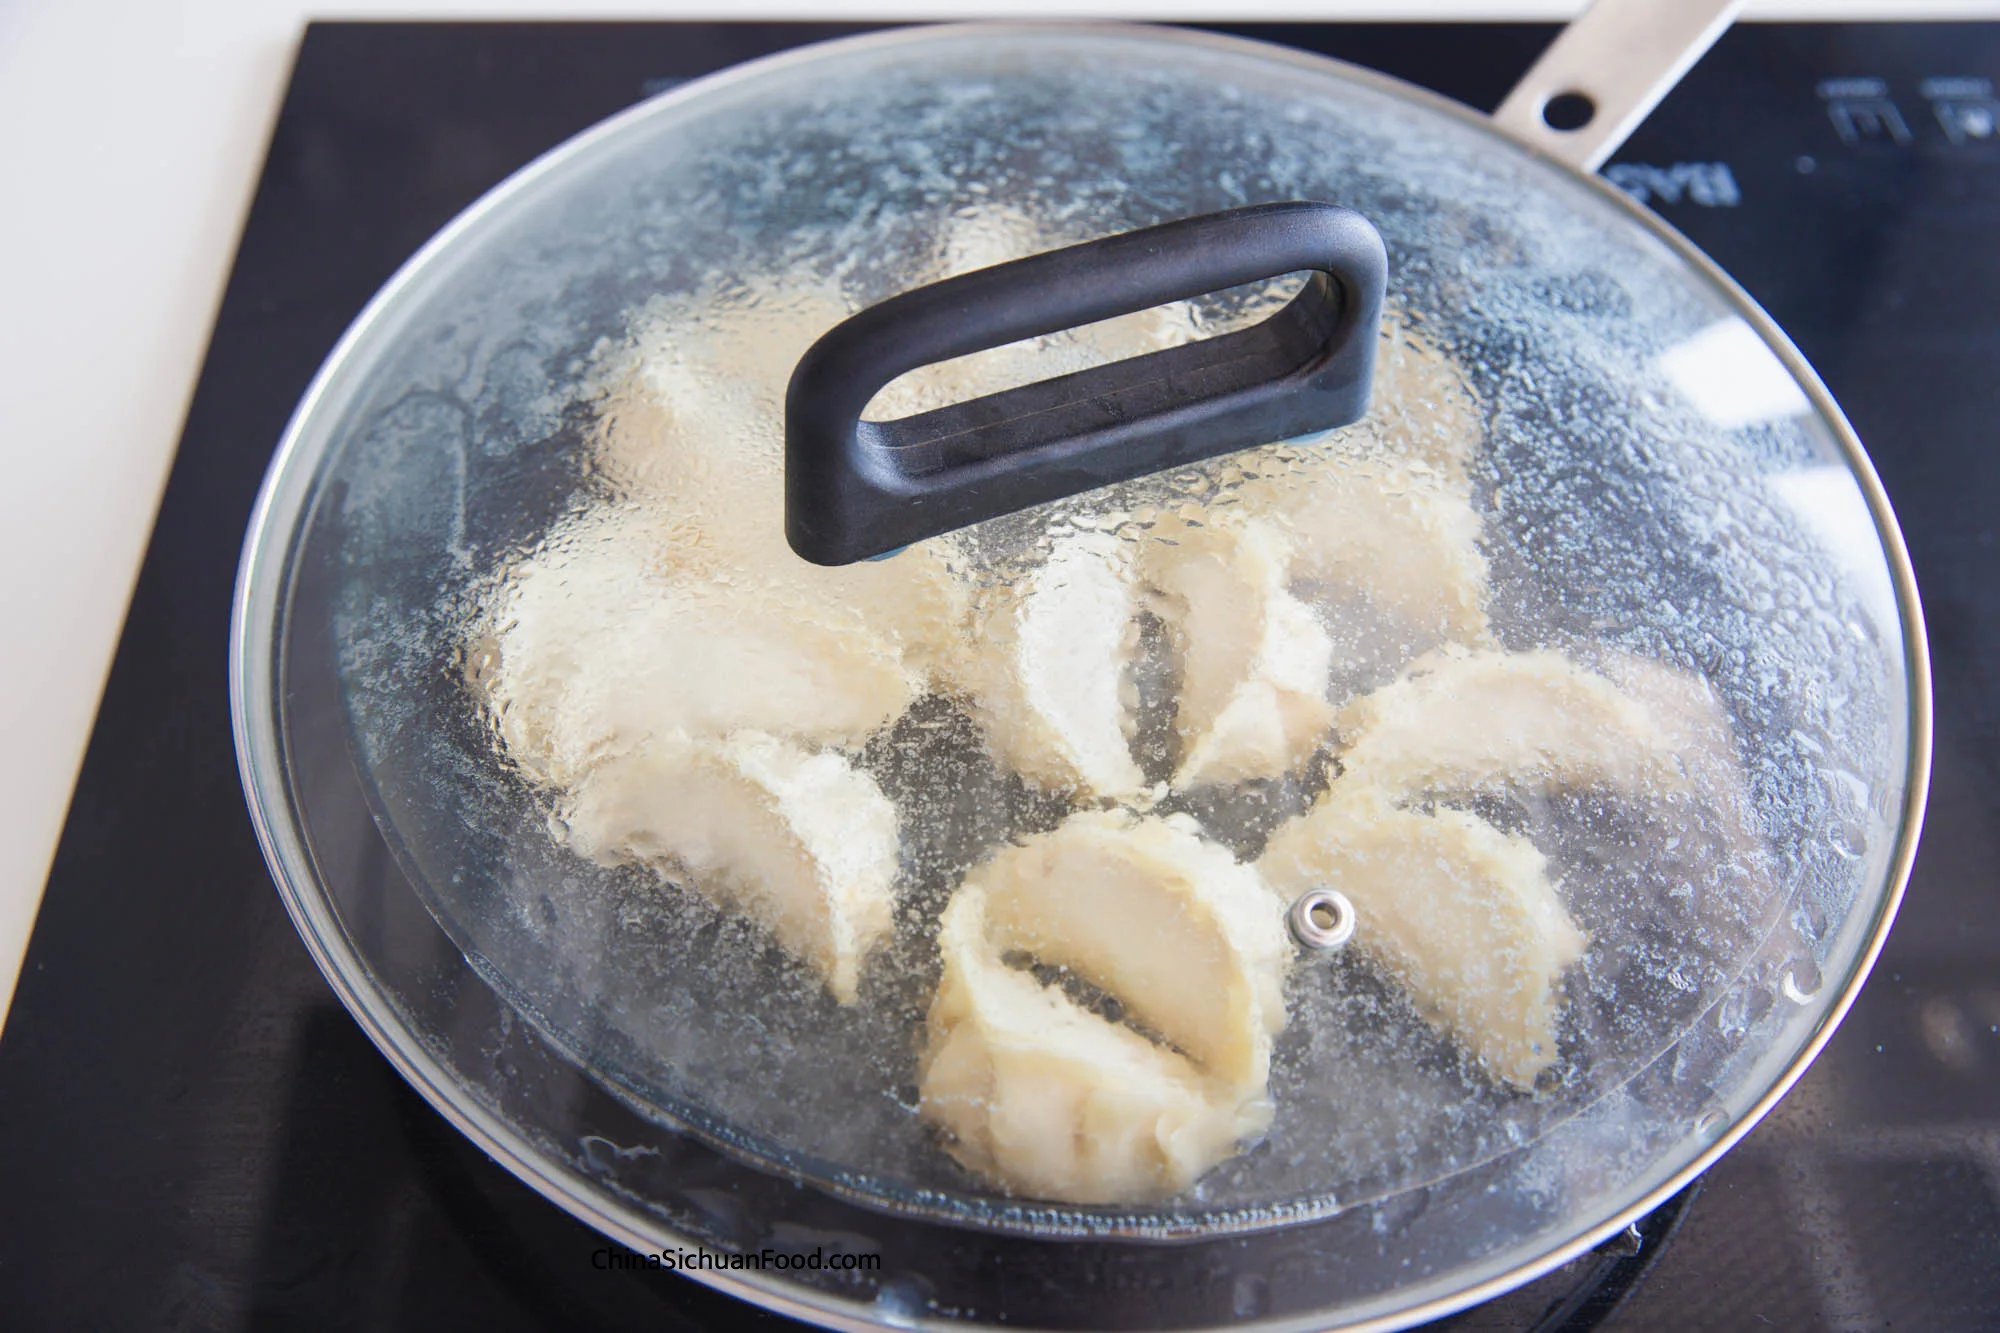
[{"x": 1622, "y": 56}]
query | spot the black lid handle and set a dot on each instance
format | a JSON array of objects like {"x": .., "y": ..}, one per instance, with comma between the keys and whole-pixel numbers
[{"x": 855, "y": 489}]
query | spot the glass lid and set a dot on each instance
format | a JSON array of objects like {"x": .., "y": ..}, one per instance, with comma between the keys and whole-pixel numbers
[{"x": 1443, "y": 831}]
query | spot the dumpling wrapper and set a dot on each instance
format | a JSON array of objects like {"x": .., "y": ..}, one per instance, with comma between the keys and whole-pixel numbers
[
  {"x": 1149, "y": 910},
  {"x": 802, "y": 842},
  {"x": 1459, "y": 912},
  {"x": 1385, "y": 536},
  {"x": 1047, "y": 672},
  {"x": 1050, "y": 1101},
  {"x": 1459, "y": 721},
  {"x": 1423, "y": 409},
  {"x": 599, "y": 644},
  {"x": 1254, "y": 661},
  {"x": 1405, "y": 541},
  {"x": 1690, "y": 721},
  {"x": 684, "y": 438}
]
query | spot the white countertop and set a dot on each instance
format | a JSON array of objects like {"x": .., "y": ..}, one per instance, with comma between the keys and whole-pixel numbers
[{"x": 131, "y": 135}]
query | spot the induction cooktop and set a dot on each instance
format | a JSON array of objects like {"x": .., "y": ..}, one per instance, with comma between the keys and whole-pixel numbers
[{"x": 194, "y": 1135}]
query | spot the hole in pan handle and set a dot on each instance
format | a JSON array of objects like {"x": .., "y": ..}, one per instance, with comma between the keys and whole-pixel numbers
[{"x": 856, "y": 489}]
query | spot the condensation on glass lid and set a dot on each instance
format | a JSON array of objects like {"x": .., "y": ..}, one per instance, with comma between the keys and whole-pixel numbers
[
  {"x": 1280, "y": 671},
  {"x": 1545, "y": 668}
]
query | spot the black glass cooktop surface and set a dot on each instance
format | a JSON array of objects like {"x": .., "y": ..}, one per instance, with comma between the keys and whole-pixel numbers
[{"x": 193, "y": 1133}]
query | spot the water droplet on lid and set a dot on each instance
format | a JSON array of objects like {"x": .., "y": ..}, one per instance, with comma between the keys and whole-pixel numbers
[
  {"x": 1732, "y": 1015},
  {"x": 1802, "y": 981},
  {"x": 1849, "y": 838},
  {"x": 1393, "y": 1215},
  {"x": 1709, "y": 1128},
  {"x": 902, "y": 1300},
  {"x": 1809, "y": 919}
]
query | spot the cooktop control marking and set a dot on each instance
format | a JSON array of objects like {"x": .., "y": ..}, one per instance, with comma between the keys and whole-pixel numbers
[
  {"x": 1709, "y": 184},
  {"x": 1965, "y": 108},
  {"x": 1862, "y": 112}
]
